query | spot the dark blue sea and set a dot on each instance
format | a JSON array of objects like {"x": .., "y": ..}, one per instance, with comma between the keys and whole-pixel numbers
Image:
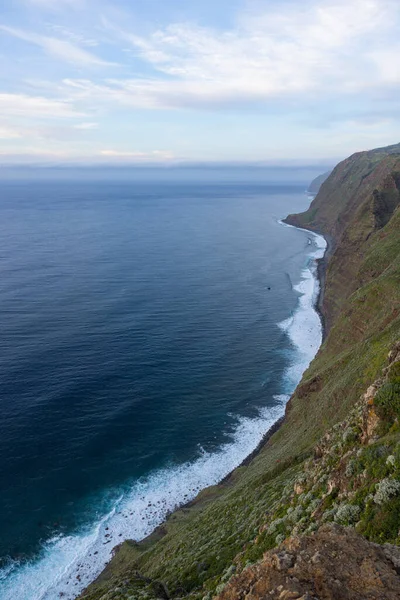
[{"x": 150, "y": 335}]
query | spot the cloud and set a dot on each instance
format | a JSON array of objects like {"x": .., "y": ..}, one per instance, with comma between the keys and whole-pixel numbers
[
  {"x": 86, "y": 126},
  {"x": 9, "y": 133},
  {"x": 324, "y": 47},
  {"x": 36, "y": 107},
  {"x": 61, "y": 49},
  {"x": 160, "y": 155}
]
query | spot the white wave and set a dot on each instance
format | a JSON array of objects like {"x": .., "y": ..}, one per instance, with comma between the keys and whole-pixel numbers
[
  {"x": 69, "y": 563},
  {"x": 304, "y": 327}
]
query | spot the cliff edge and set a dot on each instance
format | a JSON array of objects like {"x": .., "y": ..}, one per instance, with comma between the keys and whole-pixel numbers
[{"x": 330, "y": 476}]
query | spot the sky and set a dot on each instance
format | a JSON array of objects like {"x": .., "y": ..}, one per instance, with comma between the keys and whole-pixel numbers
[{"x": 197, "y": 81}]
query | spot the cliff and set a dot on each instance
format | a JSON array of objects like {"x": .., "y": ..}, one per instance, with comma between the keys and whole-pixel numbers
[
  {"x": 336, "y": 457},
  {"x": 315, "y": 185}
]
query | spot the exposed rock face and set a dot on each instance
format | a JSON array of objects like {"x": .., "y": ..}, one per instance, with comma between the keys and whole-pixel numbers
[{"x": 333, "y": 564}]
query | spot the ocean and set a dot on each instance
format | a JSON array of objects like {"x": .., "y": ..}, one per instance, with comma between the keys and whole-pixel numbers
[{"x": 151, "y": 335}]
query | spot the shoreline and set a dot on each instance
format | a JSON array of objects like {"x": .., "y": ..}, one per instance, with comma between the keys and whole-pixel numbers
[
  {"x": 317, "y": 269},
  {"x": 160, "y": 531},
  {"x": 322, "y": 264},
  {"x": 320, "y": 276}
]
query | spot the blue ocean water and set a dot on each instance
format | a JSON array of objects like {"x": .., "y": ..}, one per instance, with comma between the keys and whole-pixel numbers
[{"x": 150, "y": 336}]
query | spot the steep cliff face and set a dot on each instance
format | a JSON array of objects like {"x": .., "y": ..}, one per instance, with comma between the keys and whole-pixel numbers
[
  {"x": 337, "y": 455},
  {"x": 352, "y": 206}
]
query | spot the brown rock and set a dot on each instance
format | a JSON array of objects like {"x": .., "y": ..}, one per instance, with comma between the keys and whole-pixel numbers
[{"x": 333, "y": 564}]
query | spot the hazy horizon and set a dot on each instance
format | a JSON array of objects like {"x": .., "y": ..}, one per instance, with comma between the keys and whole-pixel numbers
[
  {"x": 296, "y": 175},
  {"x": 245, "y": 81}
]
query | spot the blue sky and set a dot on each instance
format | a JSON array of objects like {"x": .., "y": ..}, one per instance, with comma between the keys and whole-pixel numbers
[{"x": 171, "y": 81}]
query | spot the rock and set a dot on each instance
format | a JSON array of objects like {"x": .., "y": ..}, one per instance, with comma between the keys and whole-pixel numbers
[
  {"x": 333, "y": 564},
  {"x": 298, "y": 489},
  {"x": 283, "y": 561}
]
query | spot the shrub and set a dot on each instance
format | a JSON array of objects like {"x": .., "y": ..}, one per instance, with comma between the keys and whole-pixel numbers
[
  {"x": 296, "y": 514},
  {"x": 349, "y": 437},
  {"x": 394, "y": 373},
  {"x": 382, "y": 523},
  {"x": 329, "y": 514},
  {"x": 351, "y": 468},
  {"x": 275, "y": 525},
  {"x": 385, "y": 489},
  {"x": 387, "y": 401},
  {"x": 391, "y": 461},
  {"x": 347, "y": 514}
]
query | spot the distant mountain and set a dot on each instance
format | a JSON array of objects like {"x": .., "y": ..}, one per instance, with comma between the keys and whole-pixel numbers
[{"x": 315, "y": 185}]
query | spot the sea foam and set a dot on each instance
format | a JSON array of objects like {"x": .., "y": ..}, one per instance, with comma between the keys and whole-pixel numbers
[
  {"x": 67, "y": 564},
  {"x": 304, "y": 327}
]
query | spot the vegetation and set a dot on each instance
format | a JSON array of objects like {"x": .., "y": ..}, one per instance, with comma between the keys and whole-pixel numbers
[{"x": 336, "y": 458}]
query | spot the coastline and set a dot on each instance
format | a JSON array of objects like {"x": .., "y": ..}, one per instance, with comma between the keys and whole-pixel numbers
[
  {"x": 262, "y": 435},
  {"x": 322, "y": 264},
  {"x": 319, "y": 276},
  {"x": 274, "y": 428},
  {"x": 318, "y": 307}
]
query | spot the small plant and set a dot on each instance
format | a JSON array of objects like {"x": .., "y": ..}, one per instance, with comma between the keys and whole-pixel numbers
[
  {"x": 275, "y": 525},
  {"x": 347, "y": 514},
  {"x": 387, "y": 401},
  {"x": 386, "y": 489},
  {"x": 296, "y": 514},
  {"x": 351, "y": 468},
  {"x": 391, "y": 461}
]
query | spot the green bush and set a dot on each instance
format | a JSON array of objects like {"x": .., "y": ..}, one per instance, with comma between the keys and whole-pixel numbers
[
  {"x": 394, "y": 373},
  {"x": 387, "y": 401},
  {"x": 381, "y": 524}
]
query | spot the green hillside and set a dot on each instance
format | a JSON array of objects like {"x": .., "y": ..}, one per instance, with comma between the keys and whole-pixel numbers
[{"x": 230, "y": 526}]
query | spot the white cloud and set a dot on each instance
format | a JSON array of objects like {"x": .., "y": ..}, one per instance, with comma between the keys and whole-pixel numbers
[
  {"x": 61, "y": 49},
  {"x": 320, "y": 46},
  {"x": 9, "y": 133},
  {"x": 32, "y": 107},
  {"x": 86, "y": 126},
  {"x": 159, "y": 155}
]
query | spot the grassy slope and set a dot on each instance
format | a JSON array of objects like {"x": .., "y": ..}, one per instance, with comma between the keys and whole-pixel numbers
[{"x": 361, "y": 303}]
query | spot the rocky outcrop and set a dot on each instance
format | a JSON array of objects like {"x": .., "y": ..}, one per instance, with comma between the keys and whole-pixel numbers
[{"x": 333, "y": 564}]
